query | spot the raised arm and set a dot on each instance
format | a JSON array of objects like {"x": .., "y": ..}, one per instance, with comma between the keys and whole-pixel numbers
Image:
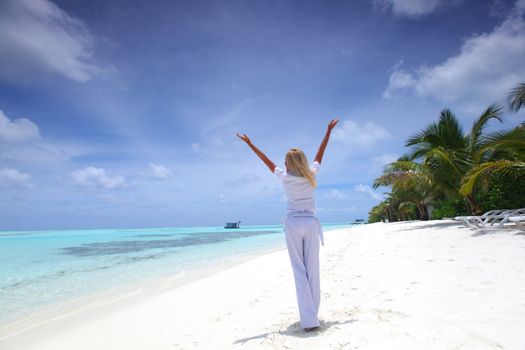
[
  {"x": 258, "y": 152},
  {"x": 320, "y": 152}
]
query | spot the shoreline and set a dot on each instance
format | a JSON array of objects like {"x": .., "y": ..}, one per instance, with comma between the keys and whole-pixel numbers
[
  {"x": 416, "y": 285},
  {"x": 116, "y": 298},
  {"x": 184, "y": 269}
]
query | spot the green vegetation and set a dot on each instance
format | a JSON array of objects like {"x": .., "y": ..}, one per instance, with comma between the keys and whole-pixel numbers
[{"x": 456, "y": 172}]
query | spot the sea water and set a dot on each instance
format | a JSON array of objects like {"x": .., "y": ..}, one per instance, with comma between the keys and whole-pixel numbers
[{"x": 42, "y": 268}]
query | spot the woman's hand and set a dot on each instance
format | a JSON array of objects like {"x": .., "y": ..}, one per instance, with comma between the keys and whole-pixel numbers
[
  {"x": 320, "y": 151},
  {"x": 258, "y": 152},
  {"x": 332, "y": 124},
  {"x": 245, "y": 138}
]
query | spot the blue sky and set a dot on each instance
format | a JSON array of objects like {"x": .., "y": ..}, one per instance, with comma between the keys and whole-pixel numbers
[{"x": 124, "y": 113}]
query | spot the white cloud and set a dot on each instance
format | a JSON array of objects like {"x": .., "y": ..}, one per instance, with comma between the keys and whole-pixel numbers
[
  {"x": 97, "y": 177},
  {"x": 13, "y": 178},
  {"x": 486, "y": 68},
  {"x": 159, "y": 171},
  {"x": 366, "y": 189},
  {"x": 36, "y": 35},
  {"x": 359, "y": 135},
  {"x": 411, "y": 8},
  {"x": 335, "y": 194},
  {"x": 21, "y": 129},
  {"x": 399, "y": 80},
  {"x": 22, "y": 144}
]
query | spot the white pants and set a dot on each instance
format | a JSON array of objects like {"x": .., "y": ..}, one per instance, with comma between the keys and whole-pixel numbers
[{"x": 303, "y": 234}]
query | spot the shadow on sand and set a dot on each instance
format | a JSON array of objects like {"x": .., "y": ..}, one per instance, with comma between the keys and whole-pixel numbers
[
  {"x": 294, "y": 330},
  {"x": 494, "y": 230},
  {"x": 432, "y": 224}
]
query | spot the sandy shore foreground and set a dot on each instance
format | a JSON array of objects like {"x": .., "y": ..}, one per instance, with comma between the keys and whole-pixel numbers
[{"x": 418, "y": 285}]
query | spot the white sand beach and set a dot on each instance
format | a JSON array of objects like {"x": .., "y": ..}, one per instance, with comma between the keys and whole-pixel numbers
[{"x": 415, "y": 285}]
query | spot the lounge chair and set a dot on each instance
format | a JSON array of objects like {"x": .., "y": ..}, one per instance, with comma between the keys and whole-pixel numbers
[
  {"x": 479, "y": 220},
  {"x": 519, "y": 220},
  {"x": 493, "y": 218},
  {"x": 501, "y": 219},
  {"x": 516, "y": 214}
]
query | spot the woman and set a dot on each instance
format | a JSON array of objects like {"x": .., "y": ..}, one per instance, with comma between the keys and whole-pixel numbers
[{"x": 301, "y": 226}]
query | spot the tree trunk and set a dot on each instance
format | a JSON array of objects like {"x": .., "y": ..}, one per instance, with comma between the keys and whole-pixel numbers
[
  {"x": 475, "y": 208},
  {"x": 422, "y": 212},
  {"x": 389, "y": 214}
]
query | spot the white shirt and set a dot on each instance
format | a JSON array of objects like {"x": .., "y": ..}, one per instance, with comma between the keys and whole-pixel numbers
[{"x": 299, "y": 192}]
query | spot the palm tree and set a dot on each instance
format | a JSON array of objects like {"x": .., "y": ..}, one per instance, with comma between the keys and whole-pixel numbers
[
  {"x": 406, "y": 211},
  {"x": 378, "y": 212},
  {"x": 447, "y": 163},
  {"x": 384, "y": 210},
  {"x": 410, "y": 183},
  {"x": 517, "y": 97},
  {"x": 448, "y": 153},
  {"x": 506, "y": 155}
]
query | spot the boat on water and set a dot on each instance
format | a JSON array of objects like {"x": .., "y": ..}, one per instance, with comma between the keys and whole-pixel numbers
[{"x": 233, "y": 224}]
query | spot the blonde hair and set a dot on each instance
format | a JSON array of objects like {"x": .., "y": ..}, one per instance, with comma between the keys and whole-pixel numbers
[{"x": 297, "y": 165}]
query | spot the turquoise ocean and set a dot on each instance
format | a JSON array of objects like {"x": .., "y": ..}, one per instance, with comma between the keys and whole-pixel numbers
[{"x": 44, "y": 268}]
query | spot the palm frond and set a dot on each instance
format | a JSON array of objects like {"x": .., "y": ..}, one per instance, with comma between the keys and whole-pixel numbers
[
  {"x": 475, "y": 134},
  {"x": 450, "y": 131},
  {"x": 403, "y": 164},
  {"x": 416, "y": 139},
  {"x": 516, "y": 97},
  {"x": 508, "y": 144},
  {"x": 482, "y": 172},
  {"x": 437, "y": 156}
]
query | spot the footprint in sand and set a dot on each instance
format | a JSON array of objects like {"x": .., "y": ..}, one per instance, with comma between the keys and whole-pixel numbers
[{"x": 386, "y": 315}]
